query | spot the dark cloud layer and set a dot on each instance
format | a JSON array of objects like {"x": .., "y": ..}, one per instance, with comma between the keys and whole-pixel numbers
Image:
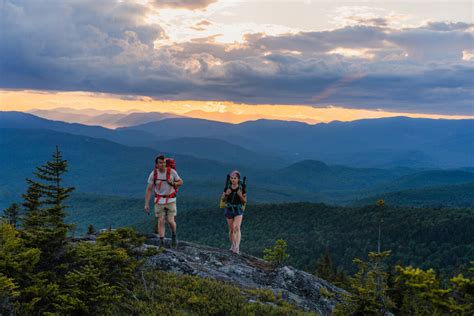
[{"x": 106, "y": 46}]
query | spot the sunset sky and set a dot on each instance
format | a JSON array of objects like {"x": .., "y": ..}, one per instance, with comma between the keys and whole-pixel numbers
[{"x": 311, "y": 61}]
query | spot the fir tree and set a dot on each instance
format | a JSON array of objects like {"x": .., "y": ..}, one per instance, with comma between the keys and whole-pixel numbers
[
  {"x": 463, "y": 290},
  {"x": 421, "y": 293},
  {"x": 34, "y": 216},
  {"x": 17, "y": 263},
  {"x": 53, "y": 191},
  {"x": 11, "y": 214},
  {"x": 90, "y": 229},
  {"x": 277, "y": 254},
  {"x": 369, "y": 288},
  {"x": 44, "y": 224},
  {"x": 325, "y": 268}
]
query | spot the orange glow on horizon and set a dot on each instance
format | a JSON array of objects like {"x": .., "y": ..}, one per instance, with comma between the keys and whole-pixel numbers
[{"x": 224, "y": 111}]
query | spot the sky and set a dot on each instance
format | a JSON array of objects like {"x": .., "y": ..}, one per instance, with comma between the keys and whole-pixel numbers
[{"x": 312, "y": 61}]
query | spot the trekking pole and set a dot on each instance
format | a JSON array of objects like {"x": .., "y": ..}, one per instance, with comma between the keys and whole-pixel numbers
[{"x": 227, "y": 183}]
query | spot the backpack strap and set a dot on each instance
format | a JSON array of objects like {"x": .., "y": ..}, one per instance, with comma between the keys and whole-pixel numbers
[{"x": 168, "y": 177}]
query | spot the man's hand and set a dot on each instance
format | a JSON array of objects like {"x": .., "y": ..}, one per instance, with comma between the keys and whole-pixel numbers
[
  {"x": 147, "y": 209},
  {"x": 177, "y": 183}
]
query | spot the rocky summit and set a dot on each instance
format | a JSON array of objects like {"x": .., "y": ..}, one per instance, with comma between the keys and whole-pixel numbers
[{"x": 298, "y": 287}]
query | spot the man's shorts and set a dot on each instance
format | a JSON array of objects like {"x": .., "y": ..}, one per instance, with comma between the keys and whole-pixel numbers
[{"x": 166, "y": 209}]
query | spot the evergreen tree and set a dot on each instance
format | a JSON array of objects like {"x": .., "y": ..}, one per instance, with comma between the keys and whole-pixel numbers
[
  {"x": 44, "y": 224},
  {"x": 369, "y": 288},
  {"x": 277, "y": 254},
  {"x": 90, "y": 229},
  {"x": 34, "y": 215},
  {"x": 11, "y": 214},
  {"x": 463, "y": 290},
  {"x": 325, "y": 268},
  {"x": 17, "y": 263},
  {"x": 421, "y": 293}
]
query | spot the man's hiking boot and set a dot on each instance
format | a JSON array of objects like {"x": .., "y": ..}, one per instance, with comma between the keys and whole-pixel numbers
[
  {"x": 174, "y": 242},
  {"x": 162, "y": 242}
]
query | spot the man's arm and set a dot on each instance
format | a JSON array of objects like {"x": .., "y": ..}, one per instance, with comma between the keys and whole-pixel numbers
[
  {"x": 148, "y": 191},
  {"x": 177, "y": 181}
]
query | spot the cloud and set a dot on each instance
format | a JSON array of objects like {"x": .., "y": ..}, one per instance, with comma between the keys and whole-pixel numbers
[
  {"x": 183, "y": 4},
  {"x": 447, "y": 26},
  {"x": 111, "y": 47},
  {"x": 201, "y": 26},
  {"x": 344, "y": 16}
]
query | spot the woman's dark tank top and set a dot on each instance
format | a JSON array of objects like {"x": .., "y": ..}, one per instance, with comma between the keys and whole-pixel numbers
[{"x": 233, "y": 197}]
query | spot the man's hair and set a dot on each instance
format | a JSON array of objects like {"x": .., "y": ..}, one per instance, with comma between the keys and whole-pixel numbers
[{"x": 160, "y": 157}]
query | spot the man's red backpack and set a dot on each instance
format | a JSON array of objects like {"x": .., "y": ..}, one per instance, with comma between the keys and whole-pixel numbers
[{"x": 170, "y": 164}]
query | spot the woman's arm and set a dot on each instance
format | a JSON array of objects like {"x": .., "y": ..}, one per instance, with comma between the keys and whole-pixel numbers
[
  {"x": 242, "y": 196},
  {"x": 226, "y": 194}
]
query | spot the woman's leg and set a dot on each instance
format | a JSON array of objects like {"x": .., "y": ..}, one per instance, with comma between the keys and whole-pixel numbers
[
  {"x": 230, "y": 223},
  {"x": 237, "y": 234}
]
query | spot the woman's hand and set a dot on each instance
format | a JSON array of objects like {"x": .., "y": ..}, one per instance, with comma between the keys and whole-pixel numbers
[
  {"x": 242, "y": 196},
  {"x": 228, "y": 192}
]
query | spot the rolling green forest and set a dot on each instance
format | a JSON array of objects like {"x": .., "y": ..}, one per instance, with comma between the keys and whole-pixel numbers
[
  {"x": 425, "y": 237},
  {"x": 437, "y": 237}
]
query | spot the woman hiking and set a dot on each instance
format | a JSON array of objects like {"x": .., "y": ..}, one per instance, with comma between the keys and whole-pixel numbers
[{"x": 235, "y": 197}]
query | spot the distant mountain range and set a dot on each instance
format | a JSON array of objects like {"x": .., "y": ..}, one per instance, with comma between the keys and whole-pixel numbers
[
  {"x": 217, "y": 149},
  {"x": 110, "y": 119},
  {"x": 381, "y": 143},
  {"x": 101, "y": 165},
  {"x": 386, "y": 142},
  {"x": 205, "y": 148},
  {"x": 22, "y": 120}
]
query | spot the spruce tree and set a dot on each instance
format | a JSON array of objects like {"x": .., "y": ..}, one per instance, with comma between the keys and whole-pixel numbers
[
  {"x": 369, "y": 288},
  {"x": 90, "y": 229},
  {"x": 422, "y": 294},
  {"x": 325, "y": 268},
  {"x": 34, "y": 216},
  {"x": 44, "y": 225},
  {"x": 11, "y": 214},
  {"x": 277, "y": 254}
]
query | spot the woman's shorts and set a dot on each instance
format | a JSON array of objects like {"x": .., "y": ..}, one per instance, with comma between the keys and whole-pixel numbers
[{"x": 233, "y": 211}]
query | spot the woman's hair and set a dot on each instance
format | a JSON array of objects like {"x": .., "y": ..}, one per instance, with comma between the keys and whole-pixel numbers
[{"x": 235, "y": 173}]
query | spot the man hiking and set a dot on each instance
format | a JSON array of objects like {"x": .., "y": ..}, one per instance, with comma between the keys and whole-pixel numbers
[{"x": 165, "y": 181}]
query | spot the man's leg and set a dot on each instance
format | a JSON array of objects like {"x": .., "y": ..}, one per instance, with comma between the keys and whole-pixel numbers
[
  {"x": 171, "y": 216},
  {"x": 161, "y": 229},
  {"x": 160, "y": 215},
  {"x": 172, "y": 226}
]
